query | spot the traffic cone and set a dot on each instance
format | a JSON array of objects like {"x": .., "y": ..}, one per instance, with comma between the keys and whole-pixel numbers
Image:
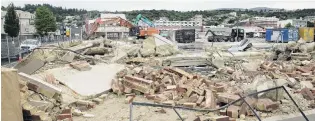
[{"x": 20, "y": 59}]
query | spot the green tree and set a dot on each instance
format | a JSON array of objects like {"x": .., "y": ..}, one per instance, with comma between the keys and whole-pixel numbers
[
  {"x": 11, "y": 23},
  {"x": 3, "y": 8},
  {"x": 288, "y": 25},
  {"x": 231, "y": 21},
  {"x": 44, "y": 21}
]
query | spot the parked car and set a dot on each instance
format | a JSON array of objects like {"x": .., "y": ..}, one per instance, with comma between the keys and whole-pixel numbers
[{"x": 30, "y": 44}]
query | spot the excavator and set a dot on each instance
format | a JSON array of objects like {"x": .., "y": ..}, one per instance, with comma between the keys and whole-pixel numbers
[
  {"x": 236, "y": 34},
  {"x": 134, "y": 28},
  {"x": 144, "y": 31}
]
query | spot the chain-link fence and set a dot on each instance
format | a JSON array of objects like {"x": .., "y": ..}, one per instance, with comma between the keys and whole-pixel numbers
[
  {"x": 9, "y": 47},
  {"x": 11, "y": 50}
]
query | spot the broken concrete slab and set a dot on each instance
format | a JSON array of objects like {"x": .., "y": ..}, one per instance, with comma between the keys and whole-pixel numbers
[
  {"x": 97, "y": 51},
  {"x": 41, "y": 105},
  {"x": 218, "y": 62},
  {"x": 29, "y": 66},
  {"x": 186, "y": 61},
  {"x": 165, "y": 50},
  {"x": 244, "y": 44},
  {"x": 81, "y": 65},
  {"x": 123, "y": 54},
  {"x": 87, "y": 83},
  {"x": 43, "y": 87},
  {"x": 68, "y": 57},
  {"x": 81, "y": 47},
  {"x": 300, "y": 56},
  {"x": 228, "y": 98},
  {"x": 160, "y": 40}
]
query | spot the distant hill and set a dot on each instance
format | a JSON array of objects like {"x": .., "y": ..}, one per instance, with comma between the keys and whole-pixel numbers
[
  {"x": 264, "y": 9},
  {"x": 234, "y": 9}
]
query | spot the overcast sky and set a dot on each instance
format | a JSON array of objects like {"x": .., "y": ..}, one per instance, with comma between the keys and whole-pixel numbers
[{"x": 181, "y": 5}]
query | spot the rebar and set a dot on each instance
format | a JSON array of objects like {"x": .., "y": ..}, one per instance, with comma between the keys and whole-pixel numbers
[
  {"x": 178, "y": 114},
  {"x": 250, "y": 107},
  {"x": 220, "y": 108}
]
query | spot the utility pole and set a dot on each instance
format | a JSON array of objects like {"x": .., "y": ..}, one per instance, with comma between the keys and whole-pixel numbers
[
  {"x": 8, "y": 47},
  {"x": 81, "y": 32},
  {"x": 20, "y": 55},
  {"x": 105, "y": 31},
  {"x": 70, "y": 33}
]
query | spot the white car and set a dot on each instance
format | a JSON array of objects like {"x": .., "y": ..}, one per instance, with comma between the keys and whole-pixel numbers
[{"x": 30, "y": 44}]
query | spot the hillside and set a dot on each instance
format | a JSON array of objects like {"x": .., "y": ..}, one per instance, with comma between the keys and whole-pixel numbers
[{"x": 60, "y": 12}]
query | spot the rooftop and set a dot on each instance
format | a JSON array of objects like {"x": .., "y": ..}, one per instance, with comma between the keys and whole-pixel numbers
[{"x": 110, "y": 15}]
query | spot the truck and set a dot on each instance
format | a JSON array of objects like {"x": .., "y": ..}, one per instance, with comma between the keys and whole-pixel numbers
[{"x": 236, "y": 34}]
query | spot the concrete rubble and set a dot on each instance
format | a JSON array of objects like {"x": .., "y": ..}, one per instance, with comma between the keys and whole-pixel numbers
[{"x": 72, "y": 79}]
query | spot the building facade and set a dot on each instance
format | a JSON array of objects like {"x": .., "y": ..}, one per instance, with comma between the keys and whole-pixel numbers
[
  {"x": 110, "y": 31},
  {"x": 310, "y": 18},
  {"x": 294, "y": 22},
  {"x": 111, "y": 15},
  {"x": 266, "y": 22},
  {"x": 195, "y": 21},
  {"x": 2, "y": 24},
  {"x": 27, "y": 24}
]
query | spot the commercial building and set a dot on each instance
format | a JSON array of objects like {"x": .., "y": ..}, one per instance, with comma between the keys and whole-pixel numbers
[
  {"x": 294, "y": 22},
  {"x": 195, "y": 21},
  {"x": 111, "y": 31},
  {"x": 111, "y": 15},
  {"x": 266, "y": 22},
  {"x": 310, "y": 18}
]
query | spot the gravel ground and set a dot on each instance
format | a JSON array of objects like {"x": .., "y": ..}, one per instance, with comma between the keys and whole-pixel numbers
[{"x": 114, "y": 109}]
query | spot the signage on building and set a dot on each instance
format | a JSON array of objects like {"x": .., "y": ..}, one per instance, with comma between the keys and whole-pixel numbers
[{"x": 68, "y": 32}]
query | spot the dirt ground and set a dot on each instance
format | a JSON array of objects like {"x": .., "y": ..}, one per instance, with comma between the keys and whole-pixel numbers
[{"x": 114, "y": 109}]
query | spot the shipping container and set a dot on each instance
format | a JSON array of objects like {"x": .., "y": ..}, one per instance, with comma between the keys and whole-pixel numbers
[
  {"x": 307, "y": 33},
  {"x": 282, "y": 35},
  {"x": 185, "y": 35},
  {"x": 293, "y": 34}
]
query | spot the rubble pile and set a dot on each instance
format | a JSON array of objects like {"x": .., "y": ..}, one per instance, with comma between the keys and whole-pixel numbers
[
  {"x": 49, "y": 57},
  {"x": 294, "y": 51},
  {"x": 200, "y": 82},
  {"x": 173, "y": 86},
  {"x": 42, "y": 94},
  {"x": 297, "y": 75},
  {"x": 42, "y": 99},
  {"x": 152, "y": 48}
]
